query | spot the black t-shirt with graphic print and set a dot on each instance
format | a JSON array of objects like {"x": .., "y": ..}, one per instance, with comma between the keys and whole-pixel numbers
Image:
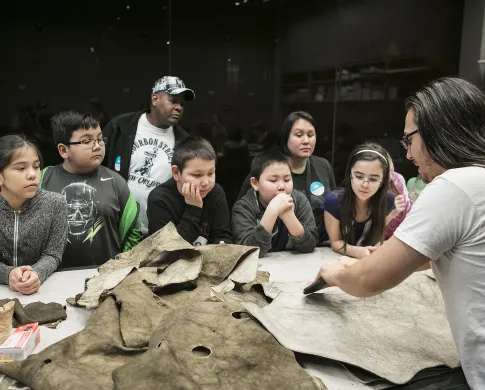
[{"x": 95, "y": 205}]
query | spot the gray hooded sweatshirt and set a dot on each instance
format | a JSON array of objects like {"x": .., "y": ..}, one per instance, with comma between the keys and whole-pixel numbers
[
  {"x": 35, "y": 236},
  {"x": 246, "y": 229}
]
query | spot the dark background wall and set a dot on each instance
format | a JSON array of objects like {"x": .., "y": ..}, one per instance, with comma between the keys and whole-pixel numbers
[
  {"x": 348, "y": 31},
  {"x": 473, "y": 42},
  {"x": 63, "y": 55},
  {"x": 58, "y": 55},
  {"x": 343, "y": 33}
]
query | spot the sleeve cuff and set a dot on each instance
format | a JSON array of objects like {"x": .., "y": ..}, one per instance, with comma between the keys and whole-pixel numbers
[
  {"x": 40, "y": 272},
  {"x": 303, "y": 238},
  {"x": 264, "y": 233},
  {"x": 193, "y": 211},
  {"x": 4, "y": 275}
]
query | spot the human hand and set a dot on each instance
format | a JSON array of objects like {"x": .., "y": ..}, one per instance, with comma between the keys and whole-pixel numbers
[
  {"x": 15, "y": 276},
  {"x": 288, "y": 212},
  {"x": 29, "y": 283},
  {"x": 347, "y": 261},
  {"x": 400, "y": 204},
  {"x": 329, "y": 271},
  {"x": 366, "y": 251},
  {"x": 280, "y": 204},
  {"x": 372, "y": 249},
  {"x": 191, "y": 194}
]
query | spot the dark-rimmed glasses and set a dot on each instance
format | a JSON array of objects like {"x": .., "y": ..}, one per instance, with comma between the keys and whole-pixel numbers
[
  {"x": 406, "y": 140},
  {"x": 373, "y": 183},
  {"x": 89, "y": 143}
]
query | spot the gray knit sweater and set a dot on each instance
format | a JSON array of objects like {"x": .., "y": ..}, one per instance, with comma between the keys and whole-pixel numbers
[{"x": 35, "y": 236}]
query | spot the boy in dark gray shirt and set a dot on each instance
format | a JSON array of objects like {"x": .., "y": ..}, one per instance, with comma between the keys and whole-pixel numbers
[
  {"x": 272, "y": 215},
  {"x": 102, "y": 214}
]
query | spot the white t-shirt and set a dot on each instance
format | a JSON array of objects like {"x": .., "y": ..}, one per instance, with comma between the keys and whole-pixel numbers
[
  {"x": 447, "y": 225},
  {"x": 151, "y": 162}
]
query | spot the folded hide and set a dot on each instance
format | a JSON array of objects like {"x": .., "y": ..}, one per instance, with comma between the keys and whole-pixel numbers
[
  {"x": 165, "y": 259},
  {"x": 169, "y": 257}
]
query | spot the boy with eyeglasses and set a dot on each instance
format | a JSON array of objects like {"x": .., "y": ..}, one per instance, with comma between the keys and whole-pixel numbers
[{"x": 103, "y": 216}]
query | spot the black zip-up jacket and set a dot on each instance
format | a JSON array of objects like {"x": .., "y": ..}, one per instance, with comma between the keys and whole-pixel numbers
[{"x": 121, "y": 132}]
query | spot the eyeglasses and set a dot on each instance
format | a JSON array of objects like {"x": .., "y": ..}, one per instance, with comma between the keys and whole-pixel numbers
[
  {"x": 374, "y": 183},
  {"x": 406, "y": 140},
  {"x": 89, "y": 143}
]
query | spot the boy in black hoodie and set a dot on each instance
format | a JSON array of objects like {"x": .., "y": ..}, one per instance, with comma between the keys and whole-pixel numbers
[{"x": 192, "y": 200}]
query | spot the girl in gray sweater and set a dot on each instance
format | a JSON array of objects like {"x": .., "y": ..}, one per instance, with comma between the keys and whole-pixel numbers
[{"x": 33, "y": 222}]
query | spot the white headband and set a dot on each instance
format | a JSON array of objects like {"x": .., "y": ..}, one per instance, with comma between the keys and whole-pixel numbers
[{"x": 372, "y": 151}]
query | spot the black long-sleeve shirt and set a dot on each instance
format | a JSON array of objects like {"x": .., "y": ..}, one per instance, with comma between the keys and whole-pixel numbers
[{"x": 166, "y": 204}]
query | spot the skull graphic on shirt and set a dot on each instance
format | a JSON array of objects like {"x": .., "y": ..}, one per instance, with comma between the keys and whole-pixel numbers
[{"x": 82, "y": 211}]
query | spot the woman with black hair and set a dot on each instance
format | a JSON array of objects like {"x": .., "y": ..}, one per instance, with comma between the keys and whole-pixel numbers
[{"x": 311, "y": 175}]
